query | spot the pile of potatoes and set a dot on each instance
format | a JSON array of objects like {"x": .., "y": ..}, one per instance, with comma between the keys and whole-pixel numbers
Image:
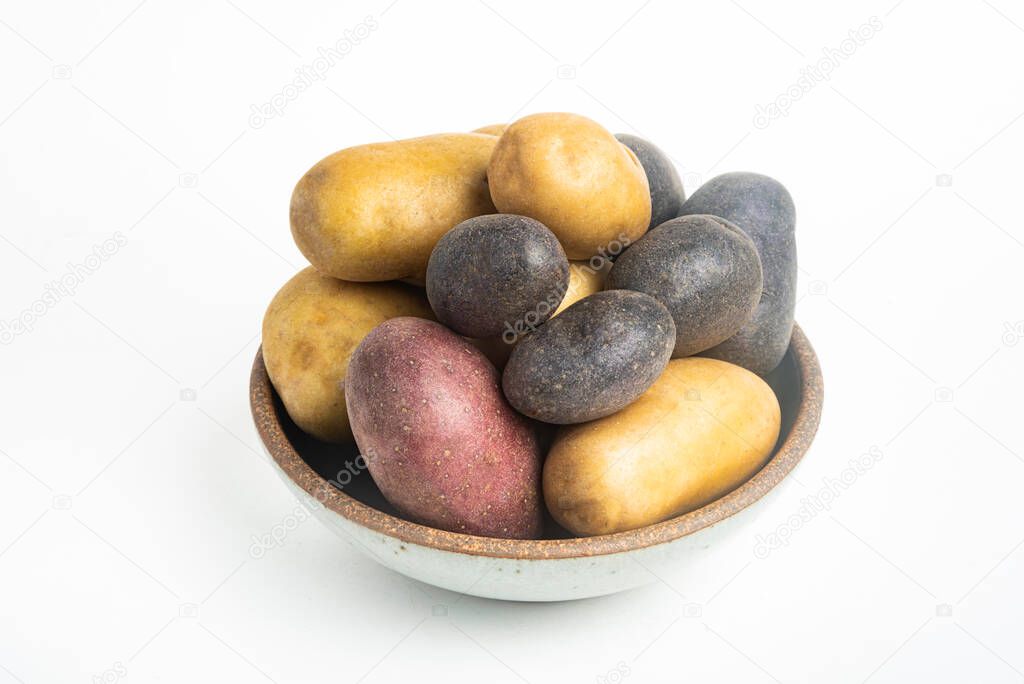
[{"x": 535, "y": 315}]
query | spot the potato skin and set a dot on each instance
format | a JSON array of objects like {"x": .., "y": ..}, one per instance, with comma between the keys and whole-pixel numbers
[
  {"x": 763, "y": 208},
  {"x": 585, "y": 278},
  {"x": 310, "y": 330},
  {"x": 573, "y": 176},
  {"x": 703, "y": 269},
  {"x": 491, "y": 129},
  {"x": 374, "y": 212},
  {"x": 439, "y": 439},
  {"x": 591, "y": 360},
  {"x": 705, "y": 427},
  {"x": 667, "y": 194},
  {"x": 496, "y": 273}
]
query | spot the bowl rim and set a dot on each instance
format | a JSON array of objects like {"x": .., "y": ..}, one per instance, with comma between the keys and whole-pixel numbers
[{"x": 789, "y": 453}]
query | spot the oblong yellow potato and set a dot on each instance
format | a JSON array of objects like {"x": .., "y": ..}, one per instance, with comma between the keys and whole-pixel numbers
[
  {"x": 493, "y": 129},
  {"x": 310, "y": 330},
  {"x": 573, "y": 176},
  {"x": 584, "y": 280},
  {"x": 375, "y": 212},
  {"x": 701, "y": 430}
]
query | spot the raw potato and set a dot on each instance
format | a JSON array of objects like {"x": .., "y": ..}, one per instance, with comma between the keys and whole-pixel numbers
[
  {"x": 375, "y": 212},
  {"x": 585, "y": 278},
  {"x": 493, "y": 129},
  {"x": 667, "y": 195},
  {"x": 703, "y": 269},
  {"x": 439, "y": 439},
  {"x": 573, "y": 176},
  {"x": 763, "y": 209},
  {"x": 309, "y": 332},
  {"x": 592, "y": 360},
  {"x": 705, "y": 427},
  {"x": 496, "y": 275}
]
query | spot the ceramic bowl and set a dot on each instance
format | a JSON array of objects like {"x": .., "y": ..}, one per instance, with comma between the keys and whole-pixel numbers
[{"x": 329, "y": 481}]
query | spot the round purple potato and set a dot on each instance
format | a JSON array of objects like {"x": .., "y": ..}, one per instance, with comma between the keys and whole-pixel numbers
[
  {"x": 705, "y": 271},
  {"x": 495, "y": 273},
  {"x": 667, "y": 194},
  {"x": 591, "y": 360},
  {"x": 439, "y": 438},
  {"x": 764, "y": 210}
]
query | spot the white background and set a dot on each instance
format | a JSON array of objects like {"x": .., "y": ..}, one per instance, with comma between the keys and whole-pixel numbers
[{"x": 130, "y": 483}]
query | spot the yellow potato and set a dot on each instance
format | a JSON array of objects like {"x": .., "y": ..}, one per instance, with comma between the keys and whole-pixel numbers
[
  {"x": 375, "y": 212},
  {"x": 494, "y": 348},
  {"x": 701, "y": 430},
  {"x": 493, "y": 129},
  {"x": 573, "y": 176},
  {"x": 584, "y": 279},
  {"x": 310, "y": 330}
]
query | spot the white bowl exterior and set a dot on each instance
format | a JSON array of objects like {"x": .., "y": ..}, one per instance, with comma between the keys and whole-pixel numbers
[{"x": 510, "y": 579}]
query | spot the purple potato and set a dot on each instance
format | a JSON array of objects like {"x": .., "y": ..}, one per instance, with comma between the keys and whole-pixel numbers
[
  {"x": 667, "y": 194},
  {"x": 591, "y": 360},
  {"x": 705, "y": 271},
  {"x": 764, "y": 210},
  {"x": 495, "y": 273}
]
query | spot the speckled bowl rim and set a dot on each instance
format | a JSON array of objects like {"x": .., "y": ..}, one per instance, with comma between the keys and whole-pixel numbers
[{"x": 789, "y": 453}]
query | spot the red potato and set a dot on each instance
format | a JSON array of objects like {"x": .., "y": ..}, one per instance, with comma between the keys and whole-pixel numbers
[{"x": 440, "y": 440}]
